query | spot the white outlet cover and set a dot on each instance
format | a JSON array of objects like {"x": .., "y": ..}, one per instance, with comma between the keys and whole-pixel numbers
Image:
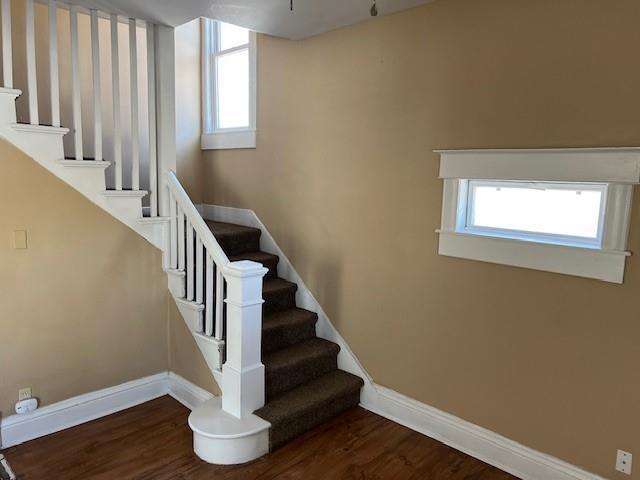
[
  {"x": 24, "y": 393},
  {"x": 623, "y": 462}
]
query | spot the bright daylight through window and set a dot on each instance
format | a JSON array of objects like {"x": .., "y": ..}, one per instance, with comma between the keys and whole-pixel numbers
[
  {"x": 562, "y": 213},
  {"x": 229, "y": 86}
]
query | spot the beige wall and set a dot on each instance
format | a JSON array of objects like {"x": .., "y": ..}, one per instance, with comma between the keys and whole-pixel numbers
[
  {"x": 345, "y": 179},
  {"x": 85, "y": 306}
]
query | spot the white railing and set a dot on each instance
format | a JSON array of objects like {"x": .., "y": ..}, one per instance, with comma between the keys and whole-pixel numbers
[
  {"x": 132, "y": 150},
  {"x": 234, "y": 322}
]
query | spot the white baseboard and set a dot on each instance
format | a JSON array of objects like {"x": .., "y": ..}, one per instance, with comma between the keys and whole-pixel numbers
[
  {"x": 347, "y": 361},
  {"x": 187, "y": 393},
  {"x": 478, "y": 442},
  {"x": 74, "y": 411}
]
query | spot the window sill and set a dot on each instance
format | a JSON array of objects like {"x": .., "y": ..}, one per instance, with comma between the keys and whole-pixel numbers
[
  {"x": 229, "y": 140},
  {"x": 606, "y": 265}
]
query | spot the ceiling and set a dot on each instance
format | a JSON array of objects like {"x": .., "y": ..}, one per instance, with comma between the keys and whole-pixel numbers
[{"x": 309, "y": 17}]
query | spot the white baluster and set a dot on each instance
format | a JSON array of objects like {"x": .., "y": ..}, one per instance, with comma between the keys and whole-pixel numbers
[
  {"x": 115, "y": 81},
  {"x": 75, "y": 83},
  {"x": 243, "y": 372},
  {"x": 165, "y": 107},
  {"x": 208, "y": 309},
  {"x": 199, "y": 271},
  {"x": 181, "y": 259},
  {"x": 219, "y": 326},
  {"x": 32, "y": 82},
  {"x": 7, "y": 49},
  {"x": 173, "y": 242},
  {"x": 133, "y": 75},
  {"x": 54, "y": 79},
  {"x": 153, "y": 147},
  {"x": 190, "y": 288},
  {"x": 97, "y": 86}
]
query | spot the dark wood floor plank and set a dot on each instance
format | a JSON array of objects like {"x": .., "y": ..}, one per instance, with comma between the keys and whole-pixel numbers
[{"x": 153, "y": 442}]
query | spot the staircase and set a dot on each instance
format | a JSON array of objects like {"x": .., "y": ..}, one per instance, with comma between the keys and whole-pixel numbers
[
  {"x": 278, "y": 379},
  {"x": 304, "y": 387}
]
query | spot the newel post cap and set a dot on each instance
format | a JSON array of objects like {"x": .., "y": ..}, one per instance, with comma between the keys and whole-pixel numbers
[{"x": 245, "y": 269}]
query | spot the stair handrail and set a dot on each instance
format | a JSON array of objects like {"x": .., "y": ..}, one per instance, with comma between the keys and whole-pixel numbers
[{"x": 197, "y": 222}]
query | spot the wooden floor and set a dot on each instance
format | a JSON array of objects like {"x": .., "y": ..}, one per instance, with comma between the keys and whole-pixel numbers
[{"x": 153, "y": 441}]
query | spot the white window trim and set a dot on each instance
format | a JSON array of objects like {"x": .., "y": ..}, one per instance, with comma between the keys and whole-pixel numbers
[
  {"x": 229, "y": 138},
  {"x": 619, "y": 168}
]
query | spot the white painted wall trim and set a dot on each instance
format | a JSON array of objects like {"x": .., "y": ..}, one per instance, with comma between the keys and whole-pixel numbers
[
  {"x": 581, "y": 262},
  {"x": 480, "y": 443},
  {"x": 347, "y": 361},
  {"x": 228, "y": 140},
  {"x": 609, "y": 165},
  {"x": 58, "y": 416}
]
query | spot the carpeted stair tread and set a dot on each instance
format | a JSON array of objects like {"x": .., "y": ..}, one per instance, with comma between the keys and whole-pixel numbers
[
  {"x": 235, "y": 239},
  {"x": 278, "y": 294},
  {"x": 292, "y": 366},
  {"x": 309, "y": 405},
  {"x": 287, "y": 327},
  {"x": 268, "y": 260}
]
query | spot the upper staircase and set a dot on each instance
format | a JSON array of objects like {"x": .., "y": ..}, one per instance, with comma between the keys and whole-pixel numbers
[{"x": 278, "y": 379}]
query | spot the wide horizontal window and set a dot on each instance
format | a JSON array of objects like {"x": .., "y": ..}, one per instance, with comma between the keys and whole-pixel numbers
[
  {"x": 558, "y": 210},
  {"x": 562, "y": 213}
]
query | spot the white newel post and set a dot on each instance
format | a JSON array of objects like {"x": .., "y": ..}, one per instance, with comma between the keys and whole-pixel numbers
[
  {"x": 243, "y": 372},
  {"x": 166, "y": 110}
]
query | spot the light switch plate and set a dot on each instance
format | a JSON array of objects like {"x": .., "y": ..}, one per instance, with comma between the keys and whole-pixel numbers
[{"x": 20, "y": 239}]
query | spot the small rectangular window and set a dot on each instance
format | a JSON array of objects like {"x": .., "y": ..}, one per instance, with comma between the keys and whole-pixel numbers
[
  {"x": 229, "y": 86},
  {"x": 561, "y": 213},
  {"x": 561, "y": 210}
]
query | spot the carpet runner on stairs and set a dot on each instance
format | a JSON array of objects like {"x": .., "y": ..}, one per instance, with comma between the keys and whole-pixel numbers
[{"x": 304, "y": 387}]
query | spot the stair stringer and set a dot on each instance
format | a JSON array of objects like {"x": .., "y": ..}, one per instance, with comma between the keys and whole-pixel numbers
[
  {"x": 347, "y": 360},
  {"x": 44, "y": 144}
]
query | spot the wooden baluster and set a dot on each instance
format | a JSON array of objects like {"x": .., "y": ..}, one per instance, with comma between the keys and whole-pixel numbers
[
  {"x": 97, "y": 86},
  {"x": 181, "y": 259},
  {"x": 7, "y": 49},
  {"x": 173, "y": 241},
  {"x": 115, "y": 80},
  {"x": 153, "y": 147},
  {"x": 32, "y": 82},
  {"x": 190, "y": 288},
  {"x": 199, "y": 271},
  {"x": 54, "y": 78},
  {"x": 133, "y": 75},
  {"x": 208, "y": 309},
  {"x": 75, "y": 83},
  {"x": 219, "y": 327}
]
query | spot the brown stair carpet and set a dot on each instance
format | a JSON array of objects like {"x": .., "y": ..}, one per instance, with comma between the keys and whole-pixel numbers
[{"x": 304, "y": 387}]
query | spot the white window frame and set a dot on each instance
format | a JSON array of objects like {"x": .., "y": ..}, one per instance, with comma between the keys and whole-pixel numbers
[
  {"x": 213, "y": 137},
  {"x": 604, "y": 259},
  {"x": 464, "y": 222}
]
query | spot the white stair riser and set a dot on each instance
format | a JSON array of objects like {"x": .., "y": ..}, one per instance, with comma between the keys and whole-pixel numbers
[
  {"x": 125, "y": 207},
  {"x": 154, "y": 233},
  {"x": 210, "y": 349},
  {"x": 177, "y": 285},
  {"x": 192, "y": 318}
]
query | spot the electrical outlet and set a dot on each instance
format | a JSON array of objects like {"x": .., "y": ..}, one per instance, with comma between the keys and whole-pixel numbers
[
  {"x": 24, "y": 393},
  {"x": 623, "y": 462}
]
